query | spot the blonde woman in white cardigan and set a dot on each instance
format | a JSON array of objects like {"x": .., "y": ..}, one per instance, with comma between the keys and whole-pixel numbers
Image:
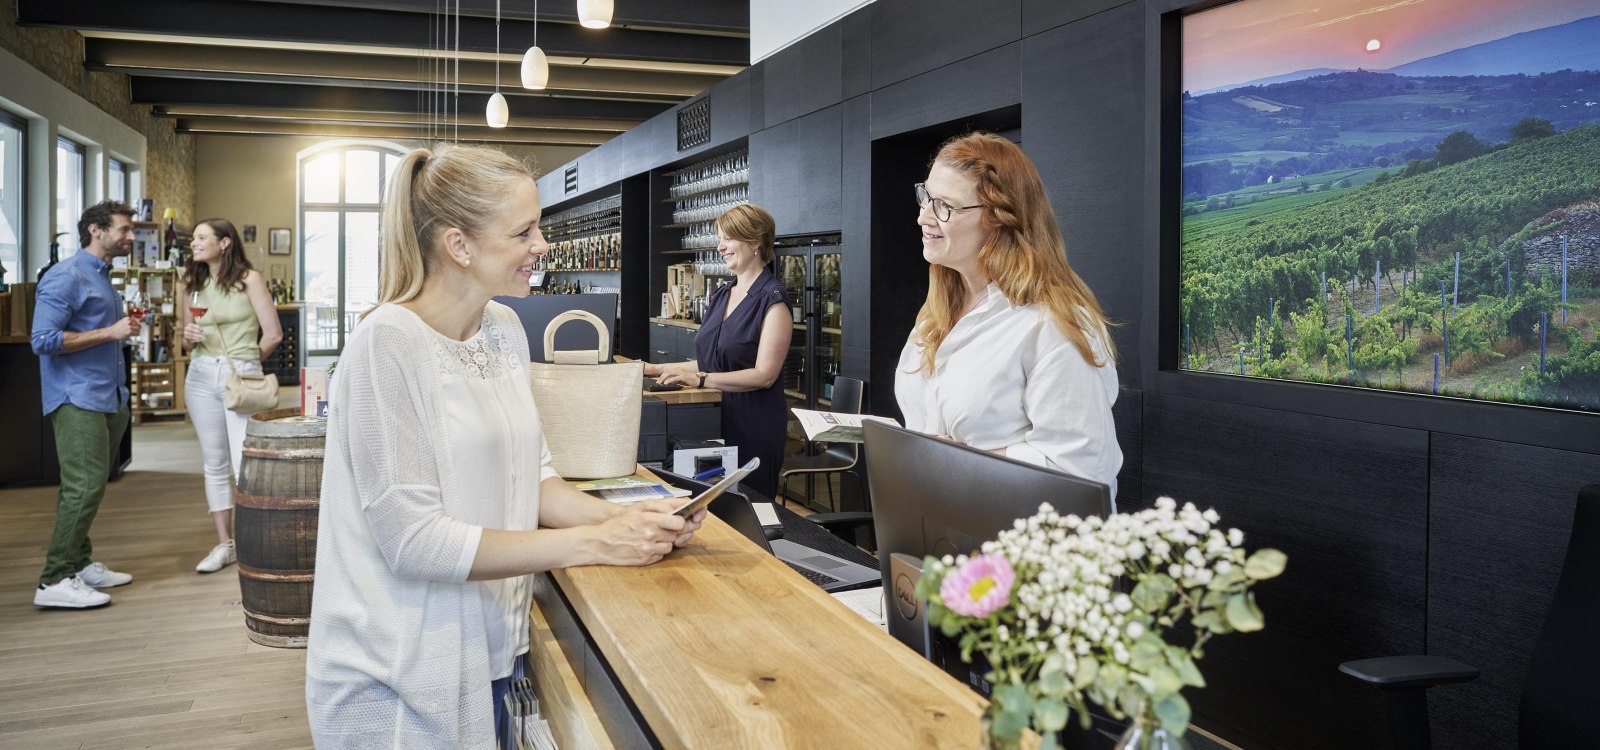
[{"x": 438, "y": 499}]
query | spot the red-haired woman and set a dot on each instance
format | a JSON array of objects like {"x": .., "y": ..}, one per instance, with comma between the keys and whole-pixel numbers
[{"x": 1010, "y": 352}]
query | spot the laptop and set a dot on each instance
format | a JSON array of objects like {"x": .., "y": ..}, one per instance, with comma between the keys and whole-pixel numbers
[{"x": 830, "y": 572}]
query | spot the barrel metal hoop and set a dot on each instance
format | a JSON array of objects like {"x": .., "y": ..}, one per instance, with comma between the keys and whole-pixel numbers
[
  {"x": 277, "y": 620},
  {"x": 276, "y": 576},
  {"x": 275, "y": 503},
  {"x": 283, "y": 454}
]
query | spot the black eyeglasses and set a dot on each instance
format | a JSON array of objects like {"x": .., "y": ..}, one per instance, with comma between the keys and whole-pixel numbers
[{"x": 941, "y": 210}]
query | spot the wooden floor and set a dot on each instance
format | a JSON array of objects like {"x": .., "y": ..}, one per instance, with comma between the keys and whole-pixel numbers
[{"x": 167, "y": 664}]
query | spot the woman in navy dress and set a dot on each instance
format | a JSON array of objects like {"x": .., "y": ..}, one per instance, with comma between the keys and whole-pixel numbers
[{"x": 741, "y": 346}]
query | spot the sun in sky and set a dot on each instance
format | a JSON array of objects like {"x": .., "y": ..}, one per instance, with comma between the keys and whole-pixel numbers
[{"x": 1374, "y": 45}]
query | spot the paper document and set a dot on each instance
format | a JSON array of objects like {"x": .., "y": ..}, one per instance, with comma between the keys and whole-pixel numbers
[
  {"x": 833, "y": 427},
  {"x": 628, "y": 489},
  {"x": 865, "y": 602}
]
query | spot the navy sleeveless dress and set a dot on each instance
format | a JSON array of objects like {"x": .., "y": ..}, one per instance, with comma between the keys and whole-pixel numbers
[{"x": 753, "y": 420}]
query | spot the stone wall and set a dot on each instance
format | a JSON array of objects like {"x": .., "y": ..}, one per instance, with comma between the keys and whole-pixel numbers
[
  {"x": 1580, "y": 225},
  {"x": 169, "y": 176}
]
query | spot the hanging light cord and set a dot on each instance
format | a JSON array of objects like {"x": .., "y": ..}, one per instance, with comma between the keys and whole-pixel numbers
[{"x": 497, "y": 46}]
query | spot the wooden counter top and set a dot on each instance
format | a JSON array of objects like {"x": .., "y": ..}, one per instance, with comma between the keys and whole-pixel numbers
[
  {"x": 14, "y": 339},
  {"x": 720, "y": 645},
  {"x": 689, "y": 396},
  {"x": 679, "y": 322}
]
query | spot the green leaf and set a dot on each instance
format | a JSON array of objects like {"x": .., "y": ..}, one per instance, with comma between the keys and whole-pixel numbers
[
  {"x": 1008, "y": 725},
  {"x": 949, "y": 626},
  {"x": 1152, "y": 592},
  {"x": 1185, "y": 667},
  {"x": 1244, "y": 615},
  {"x": 1264, "y": 564},
  {"x": 1050, "y": 715},
  {"x": 1088, "y": 669},
  {"x": 1166, "y": 681},
  {"x": 1144, "y": 655},
  {"x": 1013, "y": 697},
  {"x": 1053, "y": 682},
  {"x": 1226, "y": 581},
  {"x": 1173, "y": 713},
  {"x": 1210, "y": 620},
  {"x": 1048, "y": 741}
]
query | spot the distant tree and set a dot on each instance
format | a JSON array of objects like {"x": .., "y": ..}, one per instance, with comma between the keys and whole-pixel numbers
[
  {"x": 1342, "y": 183},
  {"x": 1213, "y": 203},
  {"x": 1532, "y": 128},
  {"x": 1383, "y": 161},
  {"x": 1459, "y": 147},
  {"x": 1305, "y": 187}
]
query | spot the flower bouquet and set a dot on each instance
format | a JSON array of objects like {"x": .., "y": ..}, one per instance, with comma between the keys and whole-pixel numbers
[{"x": 1042, "y": 606}]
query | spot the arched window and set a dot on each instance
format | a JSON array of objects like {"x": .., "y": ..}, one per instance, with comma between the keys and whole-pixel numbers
[{"x": 341, "y": 192}]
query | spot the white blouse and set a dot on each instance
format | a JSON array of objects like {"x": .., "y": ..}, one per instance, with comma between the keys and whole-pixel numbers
[
  {"x": 1006, "y": 377},
  {"x": 430, "y": 441}
]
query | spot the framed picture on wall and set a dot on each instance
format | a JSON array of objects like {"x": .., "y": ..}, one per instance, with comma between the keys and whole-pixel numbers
[
  {"x": 278, "y": 271},
  {"x": 1393, "y": 196},
  {"x": 278, "y": 240},
  {"x": 249, "y": 232}
]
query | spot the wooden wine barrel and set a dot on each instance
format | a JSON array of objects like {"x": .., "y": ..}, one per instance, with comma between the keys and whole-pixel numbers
[{"x": 275, "y": 524}]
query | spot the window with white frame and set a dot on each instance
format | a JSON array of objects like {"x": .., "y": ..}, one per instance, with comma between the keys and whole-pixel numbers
[
  {"x": 69, "y": 191},
  {"x": 116, "y": 181},
  {"x": 341, "y": 194},
  {"x": 13, "y": 185}
]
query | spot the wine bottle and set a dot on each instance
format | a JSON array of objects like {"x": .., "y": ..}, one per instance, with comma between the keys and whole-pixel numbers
[{"x": 55, "y": 255}]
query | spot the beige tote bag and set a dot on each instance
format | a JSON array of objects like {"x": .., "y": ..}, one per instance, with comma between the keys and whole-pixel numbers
[{"x": 589, "y": 410}]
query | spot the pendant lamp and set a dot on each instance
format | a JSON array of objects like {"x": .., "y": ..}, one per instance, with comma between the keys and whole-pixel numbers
[
  {"x": 497, "y": 113},
  {"x": 595, "y": 14},
  {"x": 535, "y": 66}
]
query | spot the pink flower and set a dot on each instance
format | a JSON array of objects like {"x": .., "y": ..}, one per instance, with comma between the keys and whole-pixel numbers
[{"x": 979, "y": 587}]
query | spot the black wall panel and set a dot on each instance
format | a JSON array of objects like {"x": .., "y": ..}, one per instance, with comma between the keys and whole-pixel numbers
[
  {"x": 805, "y": 76},
  {"x": 1042, "y": 15},
  {"x": 1083, "y": 121},
  {"x": 1128, "y": 412},
  {"x": 798, "y": 177},
  {"x": 737, "y": 109},
  {"x": 856, "y": 229},
  {"x": 977, "y": 84},
  {"x": 1347, "y": 502},
  {"x": 911, "y": 37},
  {"x": 1500, "y": 516},
  {"x": 856, "y": 38}
]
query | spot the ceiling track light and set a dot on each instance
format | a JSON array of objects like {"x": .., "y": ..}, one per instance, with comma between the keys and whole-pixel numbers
[
  {"x": 595, "y": 14},
  {"x": 497, "y": 113},
  {"x": 535, "y": 66}
]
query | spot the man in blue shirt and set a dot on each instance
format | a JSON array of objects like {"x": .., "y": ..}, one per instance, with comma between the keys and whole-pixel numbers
[{"x": 78, "y": 330}]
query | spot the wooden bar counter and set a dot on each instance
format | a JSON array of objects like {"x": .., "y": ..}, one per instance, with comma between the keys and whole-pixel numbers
[{"x": 720, "y": 645}]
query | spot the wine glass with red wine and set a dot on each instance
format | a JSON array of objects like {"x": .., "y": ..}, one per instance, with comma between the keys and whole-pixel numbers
[{"x": 197, "y": 306}]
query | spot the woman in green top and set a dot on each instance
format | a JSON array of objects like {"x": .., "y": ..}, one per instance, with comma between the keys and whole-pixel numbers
[{"x": 229, "y": 315}]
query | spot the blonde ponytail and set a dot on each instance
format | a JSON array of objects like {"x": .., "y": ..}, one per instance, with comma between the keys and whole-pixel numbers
[{"x": 430, "y": 191}]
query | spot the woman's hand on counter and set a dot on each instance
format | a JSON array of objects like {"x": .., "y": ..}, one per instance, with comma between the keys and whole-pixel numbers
[
  {"x": 684, "y": 373},
  {"x": 640, "y": 536}
]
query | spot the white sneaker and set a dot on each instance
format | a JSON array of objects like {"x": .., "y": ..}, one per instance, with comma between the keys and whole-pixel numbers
[
  {"x": 220, "y": 555},
  {"x": 69, "y": 593},
  {"x": 99, "y": 576}
]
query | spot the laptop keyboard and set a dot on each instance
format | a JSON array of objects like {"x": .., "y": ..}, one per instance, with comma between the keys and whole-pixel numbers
[{"x": 811, "y": 575}]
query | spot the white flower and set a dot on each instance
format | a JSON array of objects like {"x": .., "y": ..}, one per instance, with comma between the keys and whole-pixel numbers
[
  {"x": 1122, "y": 603},
  {"x": 1135, "y": 630},
  {"x": 1235, "y": 537},
  {"x": 1211, "y": 515}
]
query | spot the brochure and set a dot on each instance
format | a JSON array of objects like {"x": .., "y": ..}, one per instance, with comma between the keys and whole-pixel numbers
[
  {"x": 628, "y": 489},
  {"x": 834, "y": 427}
]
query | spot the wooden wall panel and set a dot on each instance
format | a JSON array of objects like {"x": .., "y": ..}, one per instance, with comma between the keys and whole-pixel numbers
[
  {"x": 911, "y": 37},
  {"x": 1499, "y": 520},
  {"x": 804, "y": 77},
  {"x": 797, "y": 176},
  {"x": 1042, "y": 15},
  {"x": 1347, "y": 502},
  {"x": 1083, "y": 118},
  {"x": 981, "y": 83}
]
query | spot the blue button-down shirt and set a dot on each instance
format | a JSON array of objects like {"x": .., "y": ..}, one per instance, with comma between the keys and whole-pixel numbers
[{"x": 77, "y": 296}]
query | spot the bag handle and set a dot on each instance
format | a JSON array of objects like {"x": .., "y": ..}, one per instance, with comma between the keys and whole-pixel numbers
[{"x": 576, "y": 356}]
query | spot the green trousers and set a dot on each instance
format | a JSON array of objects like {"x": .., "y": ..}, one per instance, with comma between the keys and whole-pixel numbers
[{"x": 86, "y": 446}]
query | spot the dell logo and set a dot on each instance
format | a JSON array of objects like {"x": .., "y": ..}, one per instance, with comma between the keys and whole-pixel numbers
[{"x": 905, "y": 596}]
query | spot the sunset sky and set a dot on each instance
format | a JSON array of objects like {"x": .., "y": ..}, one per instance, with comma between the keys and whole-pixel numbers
[{"x": 1253, "y": 39}]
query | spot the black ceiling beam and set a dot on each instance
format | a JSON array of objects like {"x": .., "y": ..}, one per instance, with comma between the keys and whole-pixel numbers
[
  {"x": 171, "y": 91},
  {"x": 256, "y": 63},
  {"x": 724, "y": 16},
  {"x": 470, "y": 129},
  {"x": 484, "y": 88},
  {"x": 288, "y": 22}
]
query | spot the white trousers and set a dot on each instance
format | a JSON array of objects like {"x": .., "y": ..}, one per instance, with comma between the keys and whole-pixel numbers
[{"x": 221, "y": 431}]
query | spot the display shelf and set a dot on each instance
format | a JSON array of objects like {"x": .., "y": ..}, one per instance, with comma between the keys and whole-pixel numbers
[{"x": 586, "y": 238}]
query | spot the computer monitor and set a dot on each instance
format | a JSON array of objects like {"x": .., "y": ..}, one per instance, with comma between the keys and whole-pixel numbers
[
  {"x": 537, "y": 310},
  {"x": 934, "y": 497}
]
